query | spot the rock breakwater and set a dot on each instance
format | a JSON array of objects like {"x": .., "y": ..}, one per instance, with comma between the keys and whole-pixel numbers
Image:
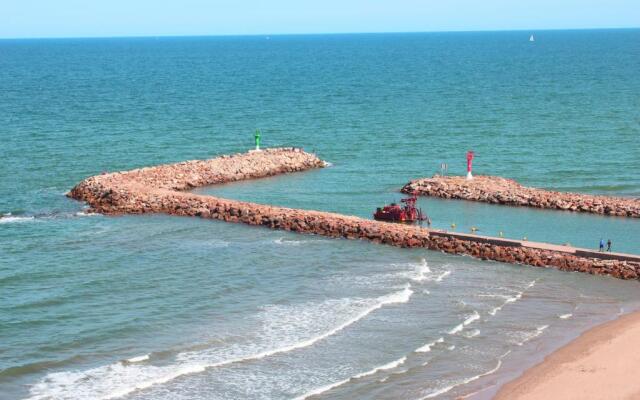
[
  {"x": 497, "y": 190},
  {"x": 162, "y": 189}
]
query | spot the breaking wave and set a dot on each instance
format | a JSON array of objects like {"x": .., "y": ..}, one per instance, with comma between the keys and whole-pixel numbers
[
  {"x": 10, "y": 219},
  {"x": 427, "y": 347},
  {"x": 17, "y": 219},
  {"x": 138, "y": 359},
  {"x": 421, "y": 272},
  {"x": 473, "y": 317},
  {"x": 288, "y": 242},
  {"x": 463, "y": 382},
  {"x": 530, "y": 335},
  {"x": 320, "y": 390},
  {"x": 119, "y": 379},
  {"x": 509, "y": 299}
]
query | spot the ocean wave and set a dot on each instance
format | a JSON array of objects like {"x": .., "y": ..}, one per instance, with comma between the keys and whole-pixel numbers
[
  {"x": 13, "y": 219},
  {"x": 296, "y": 242},
  {"x": 320, "y": 390},
  {"x": 87, "y": 214},
  {"x": 427, "y": 347},
  {"x": 443, "y": 275},
  {"x": 117, "y": 380},
  {"x": 473, "y": 317},
  {"x": 138, "y": 359},
  {"x": 217, "y": 243},
  {"x": 287, "y": 242},
  {"x": 421, "y": 271},
  {"x": 472, "y": 333},
  {"x": 10, "y": 219},
  {"x": 509, "y": 299},
  {"x": 565, "y": 316},
  {"x": 462, "y": 382},
  {"x": 527, "y": 336}
]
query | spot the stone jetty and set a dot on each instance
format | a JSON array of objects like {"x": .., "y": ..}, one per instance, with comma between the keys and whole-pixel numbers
[
  {"x": 497, "y": 190},
  {"x": 164, "y": 189}
]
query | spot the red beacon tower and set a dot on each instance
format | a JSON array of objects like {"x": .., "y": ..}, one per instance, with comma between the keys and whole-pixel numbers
[{"x": 469, "y": 164}]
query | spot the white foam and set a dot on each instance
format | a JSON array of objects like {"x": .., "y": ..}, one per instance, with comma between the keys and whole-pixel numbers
[
  {"x": 497, "y": 296},
  {"x": 283, "y": 241},
  {"x": 87, "y": 214},
  {"x": 463, "y": 382},
  {"x": 514, "y": 298},
  {"x": 391, "y": 365},
  {"x": 421, "y": 271},
  {"x": 495, "y": 310},
  {"x": 138, "y": 359},
  {"x": 456, "y": 329},
  {"x": 442, "y": 276},
  {"x": 508, "y": 299},
  {"x": 9, "y": 219},
  {"x": 427, "y": 347},
  {"x": 117, "y": 380},
  {"x": 472, "y": 333},
  {"x": 533, "y": 335},
  {"x": 565, "y": 316},
  {"x": 473, "y": 317},
  {"x": 215, "y": 243}
]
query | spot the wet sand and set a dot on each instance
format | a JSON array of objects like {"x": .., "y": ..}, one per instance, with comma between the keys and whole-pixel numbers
[{"x": 603, "y": 363}]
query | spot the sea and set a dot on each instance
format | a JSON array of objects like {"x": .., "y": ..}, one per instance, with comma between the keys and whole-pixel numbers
[{"x": 163, "y": 307}]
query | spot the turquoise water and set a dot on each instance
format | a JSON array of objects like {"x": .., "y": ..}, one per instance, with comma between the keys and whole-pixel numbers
[{"x": 204, "y": 309}]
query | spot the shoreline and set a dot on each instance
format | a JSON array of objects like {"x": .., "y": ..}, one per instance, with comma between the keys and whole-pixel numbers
[{"x": 599, "y": 364}]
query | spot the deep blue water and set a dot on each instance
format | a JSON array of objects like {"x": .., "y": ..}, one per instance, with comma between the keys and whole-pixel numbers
[{"x": 228, "y": 311}]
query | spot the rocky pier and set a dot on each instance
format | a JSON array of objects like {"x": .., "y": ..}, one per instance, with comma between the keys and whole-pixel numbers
[
  {"x": 497, "y": 190},
  {"x": 164, "y": 189}
]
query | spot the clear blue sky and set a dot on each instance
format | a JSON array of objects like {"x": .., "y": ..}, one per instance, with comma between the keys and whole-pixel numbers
[{"x": 73, "y": 18}]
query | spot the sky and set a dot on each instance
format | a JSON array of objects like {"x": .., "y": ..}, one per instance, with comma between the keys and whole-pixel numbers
[{"x": 97, "y": 18}]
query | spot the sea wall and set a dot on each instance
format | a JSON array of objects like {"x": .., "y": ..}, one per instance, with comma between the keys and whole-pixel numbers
[
  {"x": 497, "y": 190},
  {"x": 162, "y": 190}
]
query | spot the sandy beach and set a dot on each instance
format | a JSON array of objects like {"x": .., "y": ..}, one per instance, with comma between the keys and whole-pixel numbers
[{"x": 603, "y": 363}]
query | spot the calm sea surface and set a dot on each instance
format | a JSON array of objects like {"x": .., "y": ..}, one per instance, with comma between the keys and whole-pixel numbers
[{"x": 149, "y": 307}]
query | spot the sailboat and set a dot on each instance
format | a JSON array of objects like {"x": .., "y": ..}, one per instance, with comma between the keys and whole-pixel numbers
[{"x": 532, "y": 39}]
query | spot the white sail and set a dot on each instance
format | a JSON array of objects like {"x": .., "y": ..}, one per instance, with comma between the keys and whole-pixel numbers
[{"x": 532, "y": 39}]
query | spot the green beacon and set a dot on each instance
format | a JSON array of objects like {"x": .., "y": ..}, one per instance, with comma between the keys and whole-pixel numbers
[{"x": 257, "y": 137}]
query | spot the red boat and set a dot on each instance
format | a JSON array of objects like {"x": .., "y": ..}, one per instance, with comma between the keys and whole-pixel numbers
[{"x": 407, "y": 212}]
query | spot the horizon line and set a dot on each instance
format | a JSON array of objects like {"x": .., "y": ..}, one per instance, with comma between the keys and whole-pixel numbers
[{"x": 143, "y": 36}]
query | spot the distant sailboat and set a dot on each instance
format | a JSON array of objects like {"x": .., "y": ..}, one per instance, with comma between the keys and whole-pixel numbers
[{"x": 532, "y": 39}]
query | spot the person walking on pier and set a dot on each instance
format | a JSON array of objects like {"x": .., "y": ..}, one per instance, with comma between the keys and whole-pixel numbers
[
  {"x": 601, "y": 244},
  {"x": 609, "y": 245}
]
